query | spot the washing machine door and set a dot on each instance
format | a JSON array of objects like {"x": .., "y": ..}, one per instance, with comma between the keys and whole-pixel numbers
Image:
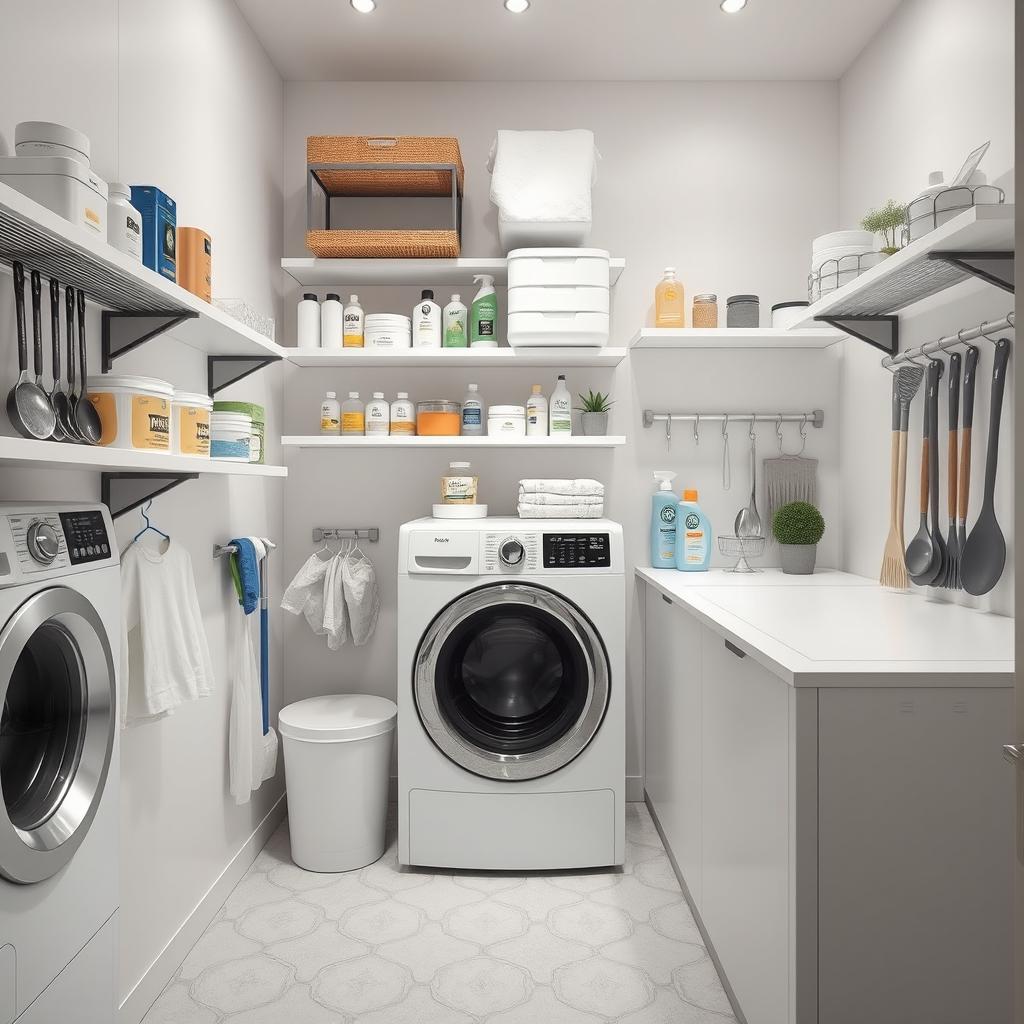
[
  {"x": 511, "y": 681},
  {"x": 57, "y": 692}
]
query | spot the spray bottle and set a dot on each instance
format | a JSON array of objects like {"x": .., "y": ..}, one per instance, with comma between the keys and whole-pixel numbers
[
  {"x": 483, "y": 317},
  {"x": 664, "y": 506}
]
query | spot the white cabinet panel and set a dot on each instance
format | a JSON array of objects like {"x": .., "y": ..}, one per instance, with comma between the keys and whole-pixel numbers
[
  {"x": 673, "y": 731},
  {"x": 746, "y": 833}
]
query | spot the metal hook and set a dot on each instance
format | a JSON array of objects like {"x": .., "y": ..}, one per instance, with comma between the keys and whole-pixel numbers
[
  {"x": 668, "y": 432},
  {"x": 726, "y": 464},
  {"x": 987, "y": 336},
  {"x": 778, "y": 433},
  {"x": 750, "y": 430},
  {"x": 696, "y": 430}
]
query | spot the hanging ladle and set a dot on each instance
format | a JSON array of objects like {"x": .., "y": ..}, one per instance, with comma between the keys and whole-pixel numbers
[
  {"x": 28, "y": 408},
  {"x": 87, "y": 419},
  {"x": 57, "y": 397}
]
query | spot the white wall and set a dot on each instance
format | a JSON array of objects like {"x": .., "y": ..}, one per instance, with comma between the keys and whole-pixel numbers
[
  {"x": 194, "y": 106},
  {"x": 934, "y": 84},
  {"x": 726, "y": 181}
]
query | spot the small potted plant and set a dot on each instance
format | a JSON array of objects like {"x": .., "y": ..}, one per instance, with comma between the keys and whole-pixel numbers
[
  {"x": 798, "y": 527},
  {"x": 594, "y": 409},
  {"x": 888, "y": 222}
]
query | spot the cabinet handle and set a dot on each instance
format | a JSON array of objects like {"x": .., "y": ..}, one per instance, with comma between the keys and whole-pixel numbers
[
  {"x": 734, "y": 649},
  {"x": 666, "y": 598}
]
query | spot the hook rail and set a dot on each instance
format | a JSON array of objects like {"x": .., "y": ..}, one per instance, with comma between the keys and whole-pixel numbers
[
  {"x": 816, "y": 418},
  {"x": 1007, "y": 323},
  {"x": 322, "y": 533}
]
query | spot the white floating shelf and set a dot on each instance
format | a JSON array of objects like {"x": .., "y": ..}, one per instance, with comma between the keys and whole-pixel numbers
[
  {"x": 335, "y": 443},
  {"x": 911, "y": 274},
  {"x": 30, "y": 454},
  {"x": 734, "y": 337},
  {"x": 447, "y": 357},
  {"x": 43, "y": 241},
  {"x": 310, "y": 272}
]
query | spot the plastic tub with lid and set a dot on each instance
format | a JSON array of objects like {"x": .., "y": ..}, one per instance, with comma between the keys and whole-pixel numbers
[
  {"x": 506, "y": 421},
  {"x": 536, "y": 330},
  {"x": 230, "y": 436},
  {"x": 438, "y": 418},
  {"x": 258, "y": 415},
  {"x": 558, "y": 299},
  {"x": 135, "y": 412},
  {"x": 65, "y": 186},
  {"x": 569, "y": 268},
  {"x": 190, "y": 424},
  {"x": 47, "y": 138},
  {"x": 387, "y": 330},
  {"x": 337, "y": 763}
]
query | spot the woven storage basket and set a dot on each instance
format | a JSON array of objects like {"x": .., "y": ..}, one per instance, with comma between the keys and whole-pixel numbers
[
  {"x": 391, "y": 244},
  {"x": 385, "y": 149}
]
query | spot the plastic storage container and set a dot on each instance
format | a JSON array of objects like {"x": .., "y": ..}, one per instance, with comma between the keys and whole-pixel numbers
[
  {"x": 124, "y": 222},
  {"x": 558, "y": 299},
  {"x": 438, "y": 418},
  {"x": 571, "y": 268},
  {"x": 258, "y": 417},
  {"x": 47, "y": 138},
  {"x": 564, "y": 330},
  {"x": 230, "y": 436},
  {"x": 388, "y": 330},
  {"x": 135, "y": 412},
  {"x": 190, "y": 424},
  {"x": 743, "y": 311},
  {"x": 785, "y": 314},
  {"x": 506, "y": 421},
  {"x": 337, "y": 762},
  {"x": 65, "y": 186}
]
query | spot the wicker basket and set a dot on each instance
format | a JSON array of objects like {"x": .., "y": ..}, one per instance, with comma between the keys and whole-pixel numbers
[
  {"x": 382, "y": 245},
  {"x": 400, "y": 149}
]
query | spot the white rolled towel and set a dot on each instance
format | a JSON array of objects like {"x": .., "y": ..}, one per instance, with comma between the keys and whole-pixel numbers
[
  {"x": 539, "y": 498},
  {"x": 530, "y": 511},
  {"x": 572, "y": 487}
]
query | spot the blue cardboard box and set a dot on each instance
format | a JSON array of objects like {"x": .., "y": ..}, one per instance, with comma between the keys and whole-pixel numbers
[{"x": 159, "y": 229}]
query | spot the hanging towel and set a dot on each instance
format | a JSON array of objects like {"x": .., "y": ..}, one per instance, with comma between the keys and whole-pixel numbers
[
  {"x": 573, "y": 487},
  {"x": 246, "y": 759},
  {"x": 530, "y": 511},
  {"x": 170, "y": 662},
  {"x": 335, "y": 617},
  {"x": 305, "y": 594},
  {"x": 245, "y": 562},
  {"x": 362, "y": 598},
  {"x": 539, "y": 498}
]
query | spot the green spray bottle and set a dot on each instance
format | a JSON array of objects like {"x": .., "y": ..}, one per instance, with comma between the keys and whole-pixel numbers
[{"x": 483, "y": 316}]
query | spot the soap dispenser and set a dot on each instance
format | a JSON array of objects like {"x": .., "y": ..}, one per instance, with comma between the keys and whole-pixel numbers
[
  {"x": 664, "y": 506},
  {"x": 693, "y": 535}
]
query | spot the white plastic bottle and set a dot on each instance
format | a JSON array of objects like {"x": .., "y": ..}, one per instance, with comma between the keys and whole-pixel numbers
[
  {"x": 354, "y": 330},
  {"x": 353, "y": 415},
  {"x": 426, "y": 322},
  {"x": 560, "y": 411},
  {"x": 537, "y": 413},
  {"x": 124, "y": 222},
  {"x": 403, "y": 416},
  {"x": 378, "y": 415},
  {"x": 308, "y": 328},
  {"x": 330, "y": 414},
  {"x": 456, "y": 324},
  {"x": 330, "y": 322},
  {"x": 473, "y": 424}
]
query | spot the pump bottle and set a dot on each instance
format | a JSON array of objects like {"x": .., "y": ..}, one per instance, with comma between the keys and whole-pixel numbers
[{"x": 664, "y": 506}]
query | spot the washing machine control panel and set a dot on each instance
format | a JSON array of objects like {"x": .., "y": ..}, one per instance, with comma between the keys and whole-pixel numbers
[
  {"x": 38, "y": 542},
  {"x": 86, "y": 534},
  {"x": 507, "y": 553},
  {"x": 43, "y": 541},
  {"x": 577, "y": 551}
]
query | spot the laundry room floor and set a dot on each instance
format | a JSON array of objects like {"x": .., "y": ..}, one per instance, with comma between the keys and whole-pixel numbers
[{"x": 390, "y": 946}]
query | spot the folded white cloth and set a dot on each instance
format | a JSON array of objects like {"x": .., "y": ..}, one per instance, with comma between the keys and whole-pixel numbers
[
  {"x": 362, "y": 597},
  {"x": 571, "y": 487},
  {"x": 543, "y": 175},
  {"x": 560, "y": 499},
  {"x": 528, "y": 510}
]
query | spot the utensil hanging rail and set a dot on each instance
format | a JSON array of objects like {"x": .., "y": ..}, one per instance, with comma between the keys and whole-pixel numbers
[
  {"x": 960, "y": 338},
  {"x": 815, "y": 418},
  {"x": 322, "y": 533}
]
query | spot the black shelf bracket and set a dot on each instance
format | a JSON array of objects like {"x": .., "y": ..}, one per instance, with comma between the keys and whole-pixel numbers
[
  {"x": 995, "y": 267},
  {"x": 881, "y": 331},
  {"x": 123, "y": 332},
  {"x": 122, "y": 492},
  {"x": 223, "y": 371}
]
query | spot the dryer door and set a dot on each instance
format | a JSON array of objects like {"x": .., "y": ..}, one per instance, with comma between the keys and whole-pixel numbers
[
  {"x": 56, "y": 731},
  {"x": 511, "y": 681}
]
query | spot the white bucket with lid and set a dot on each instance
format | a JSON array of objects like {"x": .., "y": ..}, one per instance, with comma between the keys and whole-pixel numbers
[
  {"x": 506, "y": 420},
  {"x": 135, "y": 412},
  {"x": 190, "y": 424},
  {"x": 387, "y": 330},
  {"x": 47, "y": 138},
  {"x": 230, "y": 436}
]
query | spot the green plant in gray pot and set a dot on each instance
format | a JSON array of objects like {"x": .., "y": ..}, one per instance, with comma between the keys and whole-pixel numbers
[
  {"x": 594, "y": 409},
  {"x": 798, "y": 527}
]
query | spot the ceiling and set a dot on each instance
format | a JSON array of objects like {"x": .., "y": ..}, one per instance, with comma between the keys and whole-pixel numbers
[{"x": 564, "y": 40}]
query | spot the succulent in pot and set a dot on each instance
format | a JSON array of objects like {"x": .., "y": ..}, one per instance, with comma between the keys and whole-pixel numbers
[
  {"x": 594, "y": 407},
  {"x": 798, "y": 527}
]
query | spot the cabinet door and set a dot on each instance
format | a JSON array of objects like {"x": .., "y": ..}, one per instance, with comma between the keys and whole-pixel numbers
[
  {"x": 746, "y": 807},
  {"x": 673, "y": 731}
]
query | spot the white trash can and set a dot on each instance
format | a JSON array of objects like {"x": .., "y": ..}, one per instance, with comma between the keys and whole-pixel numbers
[{"x": 337, "y": 762}]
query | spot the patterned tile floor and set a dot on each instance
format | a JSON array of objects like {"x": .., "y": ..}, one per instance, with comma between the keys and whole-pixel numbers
[{"x": 386, "y": 945}]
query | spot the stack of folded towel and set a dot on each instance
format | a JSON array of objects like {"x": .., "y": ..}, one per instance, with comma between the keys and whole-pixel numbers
[{"x": 561, "y": 499}]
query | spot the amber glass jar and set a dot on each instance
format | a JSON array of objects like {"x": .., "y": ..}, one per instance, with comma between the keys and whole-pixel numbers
[{"x": 705, "y": 310}]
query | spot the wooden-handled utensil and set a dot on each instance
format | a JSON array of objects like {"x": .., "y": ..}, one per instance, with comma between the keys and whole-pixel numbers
[
  {"x": 951, "y": 559},
  {"x": 923, "y": 556},
  {"x": 964, "y": 487},
  {"x": 984, "y": 555},
  {"x": 936, "y": 524}
]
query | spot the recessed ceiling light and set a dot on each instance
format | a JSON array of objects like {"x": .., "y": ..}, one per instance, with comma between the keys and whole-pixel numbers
[
  {"x": 516, "y": 6},
  {"x": 364, "y": 6},
  {"x": 733, "y": 6}
]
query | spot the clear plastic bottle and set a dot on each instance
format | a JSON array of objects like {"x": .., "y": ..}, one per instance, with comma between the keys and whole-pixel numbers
[
  {"x": 353, "y": 331},
  {"x": 473, "y": 424},
  {"x": 378, "y": 415},
  {"x": 330, "y": 322},
  {"x": 330, "y": 414},
  {"x": 668, "y": 301},
  {"x": 560, "y": 410},
  {"x": 403, "y": 416},
  {"x": 353, "y": 415},
  {"x": 537, "y": 413}
]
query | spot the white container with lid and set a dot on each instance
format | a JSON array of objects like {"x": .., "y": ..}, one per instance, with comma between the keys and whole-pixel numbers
[
  {"x": 786, "y": 314},
  {"x": 124, "y": 222},
  {"x": 387, "y": 330},
  {"x": 535, "y": 330},
  {"x": 308, "y": 321},
  {"x": 65, "y": 186},
  {"x": 135, "y": 412},
  {"x": 506, "y": 420},
  {"x": 47, "y": 138},
  {"x": 230, "y": 436},
  {"x": 558, "y": 299},
  {"x": 857, "y": 239},
  {"x": 190, "y": 424},
  {"x": 569, "y": 268},
  {"x": 328, "y": 741}
]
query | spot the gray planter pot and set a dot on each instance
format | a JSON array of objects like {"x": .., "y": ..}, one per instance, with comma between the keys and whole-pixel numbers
[
  {"x": 595, "y": 424},
  {"x": 798, "y": 559}
]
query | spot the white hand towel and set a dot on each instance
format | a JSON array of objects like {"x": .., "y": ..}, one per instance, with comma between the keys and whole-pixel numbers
[
  {"x": 529, "y": 511},
  {"x": 305, "y": 593},
  {"x": 245, "y": 729},
  {"x": 573, "y": 487},
  {"x": 560, "y": 499},
  {"x": 362, "y": 598},
  {"x": 335, "y": 618}
]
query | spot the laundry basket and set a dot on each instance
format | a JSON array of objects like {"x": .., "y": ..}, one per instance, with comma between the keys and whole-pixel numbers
[{"x": 337, "y": 762}]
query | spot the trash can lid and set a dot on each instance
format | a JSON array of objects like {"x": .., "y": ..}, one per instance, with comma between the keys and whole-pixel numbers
[{"x": 338, "y": 717}]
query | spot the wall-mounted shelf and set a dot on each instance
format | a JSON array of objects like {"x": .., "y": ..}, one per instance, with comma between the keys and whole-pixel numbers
[
  {"x": 310, "y": 272},
  {"x": 448, "y": 357},
  {"x": 334, "y": 443},
  {"x": 733, "y": 338},
  {"x": 978, "y": 242}
]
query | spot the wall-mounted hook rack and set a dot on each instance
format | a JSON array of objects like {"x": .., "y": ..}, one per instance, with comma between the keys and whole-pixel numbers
[
  {"x": 122, "y": 492},
  {"x": 1007, "y": 323},
  {"x": 322, "y": 533},
  {"x": 223, "y": 371},
  {"x": 816, "y": 418},
  {"x": 122, "y": 332}
]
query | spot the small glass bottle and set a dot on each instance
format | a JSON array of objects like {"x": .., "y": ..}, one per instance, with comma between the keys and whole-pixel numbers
[
  {"x": 705, "y": 310},
  {"x": 353, "y": 415},
  {"x": 473, "y": 413},
  {"x": 403, "y": 416},
  {"x": 668, "y": 301},
  {"x": 330, "y": 414}
]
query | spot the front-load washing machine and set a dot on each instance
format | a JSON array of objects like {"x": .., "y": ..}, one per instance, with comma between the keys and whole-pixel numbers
[
  {"x": 60, "y": 606},
  {"x": 511, "y": 702}
]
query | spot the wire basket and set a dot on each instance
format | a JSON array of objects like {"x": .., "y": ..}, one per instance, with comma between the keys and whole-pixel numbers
[
  {"x": 833, "y": 274},
  {"x": 930, "y": 212},
  {"x": 742, "y": 549}
]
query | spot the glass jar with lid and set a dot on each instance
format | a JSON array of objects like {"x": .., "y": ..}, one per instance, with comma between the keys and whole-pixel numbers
[{"x": 705, "y": 310}]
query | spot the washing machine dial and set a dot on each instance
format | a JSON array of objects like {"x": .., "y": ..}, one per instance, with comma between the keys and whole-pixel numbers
[
  {"x": 43, "y": 542},
  {"x": 511, "y": 552}
]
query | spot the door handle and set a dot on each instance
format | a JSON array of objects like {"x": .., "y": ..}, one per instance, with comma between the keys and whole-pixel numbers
[
  {"x": 666, "y": 598},
  {"x": 739, "y": 652},
  {"x": 1014, "y": 753}
]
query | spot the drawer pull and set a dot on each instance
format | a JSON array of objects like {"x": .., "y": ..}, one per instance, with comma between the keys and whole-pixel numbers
[
  {"x": 666, "y": 598},
  {"x": 734, "y": 649}
]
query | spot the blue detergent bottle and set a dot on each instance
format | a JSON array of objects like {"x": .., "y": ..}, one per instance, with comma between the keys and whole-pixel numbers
[
  {"x": 693, "y": 536},
  {"x": 664, "y": 505}
]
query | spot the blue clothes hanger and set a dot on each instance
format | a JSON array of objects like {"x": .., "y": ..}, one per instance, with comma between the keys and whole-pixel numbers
[{"x": 144, "y": 511}]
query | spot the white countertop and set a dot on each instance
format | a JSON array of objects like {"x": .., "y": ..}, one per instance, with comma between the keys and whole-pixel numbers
[{"x": 836, "y": 629}]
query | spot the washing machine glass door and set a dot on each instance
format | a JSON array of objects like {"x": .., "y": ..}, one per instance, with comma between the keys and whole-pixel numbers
[
  {"x": 56, "y": 731},
  {"x": 511, "y": 681}
]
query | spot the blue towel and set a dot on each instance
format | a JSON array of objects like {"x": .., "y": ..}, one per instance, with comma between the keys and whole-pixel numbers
[{"x": 248, "y": 574}]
